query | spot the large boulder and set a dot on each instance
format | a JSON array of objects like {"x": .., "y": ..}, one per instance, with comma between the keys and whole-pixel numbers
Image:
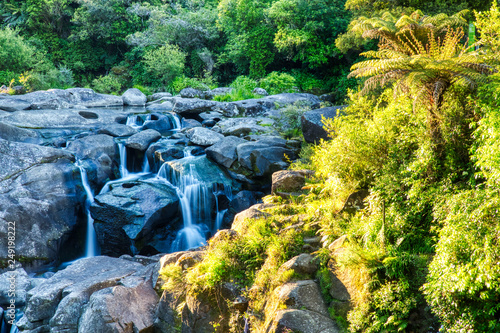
[
  {"x": 288, "y": 181},
  {"x": 203, "y": 136},
  {"x": 242, "y": 219},
  {"x": 245, "y": 126},
  {"x": 312, "y": 123},
  {"x": 261, "y": 106},
  {"x": 89, "y": 98},
  {"x": 134, "y": 97},
  {"x": 126, "y": 216},
  {"x": 224, "y": 151},
  {"x": 39, "y": 196},
  {"x": 15, "y": 280},
  {"x": 190, "y": 107},
  {"x": 117, "y": 130},
  {"x": 98, "y": 294}
]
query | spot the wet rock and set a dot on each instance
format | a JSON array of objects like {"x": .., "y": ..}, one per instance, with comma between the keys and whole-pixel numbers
[
  {"x": 38, "y": 193},
  {"x": 135, "y": 97},
  {"x": 126, "y": 216},
  {"x": 142, "y": 140},
  {"x": 162, "y": 123},
  {"x": 224, "y": 151},
  {"x": 312, "y": 124},
  {"x": 160, "y": 107},
  {"x": 117, "y": 130},
  {"x": 203, "y": 137},
  {"x": 208, "y": 123},
  {"x": 67, "y": 299},
  {"x": 244, "y": 200},
  {"x": 190, "y": 123}
]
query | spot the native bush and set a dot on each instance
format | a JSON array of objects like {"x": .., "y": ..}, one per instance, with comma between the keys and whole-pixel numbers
[
  {"x": 275, "y": 83},
  {"x": 165, "y": 63},
  {"x": 16, "y": 55}
]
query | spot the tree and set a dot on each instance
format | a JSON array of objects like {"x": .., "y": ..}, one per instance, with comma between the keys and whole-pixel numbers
[
  {"x": 15, "y": 54},
  {"x": 165, "y": 63}
]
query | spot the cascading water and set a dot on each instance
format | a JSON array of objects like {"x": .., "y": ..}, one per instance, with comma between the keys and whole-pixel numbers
[{"x": 91, "y": 248}]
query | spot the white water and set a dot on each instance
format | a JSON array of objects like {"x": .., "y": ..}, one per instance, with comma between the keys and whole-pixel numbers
[{"x": 91, "y": 248}]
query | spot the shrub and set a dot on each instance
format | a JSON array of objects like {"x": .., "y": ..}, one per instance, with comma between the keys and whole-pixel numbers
[
  {"x": 463, "y": 285},
  {"x": 276, "y": 83},
  {"x": 182, "y": 82},
  {"x": 15, "y": 54},
  {"x": 165, "y": 63},
  {"x": 108, "y": 84},
  {"x": 288, "y": 120}
]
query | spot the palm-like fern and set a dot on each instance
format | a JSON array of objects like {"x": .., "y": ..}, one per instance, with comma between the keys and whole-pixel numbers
[{"x": 430, "y": 62}]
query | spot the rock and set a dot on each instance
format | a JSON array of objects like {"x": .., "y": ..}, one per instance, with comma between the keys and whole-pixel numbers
[
  {"x": 160, "y": 107},
  {"x": 262, "y": 159},
  {"x": 159, "y": 95},
  {"x": 261, "y": 106},
  {"x": 89, "y": 98},
  {"x": 288, "y": 181},
  {"x": 338, "y": 290},
  {"x": 14, "y": 133},
  {"x": 162, "y": 123},
  {"x": 224, "y": 151},
  {"x": 337, "y": 243},
  {"x": 210, "y": 115},
  {"x": 13, "y": 104},
  {"x": 68, "y": 298},
  {"x": 208, "y": 123},
  {"x": 221, "y": 91},
  {"x": 17, "y": 281},
  {"x": 189, "y": 259},
  {"x": 117, "y": 130},
  {"x": 244, "y": 200},
  {"x": 303, "y": 321},
  {"x": 260, "y": 91},
  {"x": 190, "y": 123},
  {"x": 245, "y": 126},
  {"x": 166, "y": 314},
  {"x": 121, "y": 309},
  {"x": 312, "y": 125},
  {"x": 50, "y": 104},
  {"x": 191, "y": 93},
  {"x": 142, "y": 140},
  {"x": 199, "y": 314},
  {"x": 227, "y": 109},
  {"x": 135, "y": 97},
  {"x": 203, "y": 137},
  {"x": 328, "y": 98},
  {"x": 305, "y": 309},
  {"x": 302, "y": 264},
  {"x": 38, "y": 194},
  {"x": 126, "y": 216},
  {"x": 169, "y": 154},
  {"x": 251, "y": 107},
  {"x": 241, "y": 220},
  {"x": 192, "y": 106}
]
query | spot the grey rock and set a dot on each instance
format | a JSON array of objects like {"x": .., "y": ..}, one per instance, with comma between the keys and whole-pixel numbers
[
  {"x": 166, "y": 314},
  {"x": 142, "y": 140},
  {"x": 261, "y": 106},
  {"x": 224, "y": 151},
  {"x": 50, "y": 104},
  {"x": 245, "y": 126},
  {"x": 191, "y": 93},
  {"x": 221, "y": 91},
  {"x": 208, "y": 123},
  {"x": 14, "y": 133},
  {"x": 89, "y": 98},
  {"x": 163, "y": 123},
  {"x": 14, "y": 104},
  {"x": 117, "y": 130},
  {"x": 192, "y": 106},
  {"x": 262, "y": 159},
  {"x": 312, "y": 125},
  {"x": 189, "y": 123},
  {"x": 203, "y": 137},
  {"x": 244, "y": 200},
  {"x": 260, "y": 91},
  {"x": 135, "y": 97},
  {"x": 17, "y": 281},
  {"x": 120, "y": 309},
  {"x": 127, "y": 214},
  {"x": 38, "y": 193},
  {"x": 93, "y": 146},
  {"x": 160, "y": 107},
  {"x": 304, "y": 321},
  {"x": 302, "y": 264},
  {"x": 159, "y": 95},
  {"x": 210, "y": 115}
]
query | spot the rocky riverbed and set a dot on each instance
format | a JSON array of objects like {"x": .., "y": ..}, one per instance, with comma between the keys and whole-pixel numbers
[{"x": 150, "y": 175}]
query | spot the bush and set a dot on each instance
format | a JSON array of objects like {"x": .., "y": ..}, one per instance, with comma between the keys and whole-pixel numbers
[
  {"x": 288, "y": 121},
  {"x": 276, "y": 83},
  {"x": 108, "y": 84},
  {"x": 15, "y": 54},
  {"x": 182, "y": 82},
  {"x": 463, "y": 285},
  {"x": 242, "y": 89},
  {"x": 165, "y": 63}
]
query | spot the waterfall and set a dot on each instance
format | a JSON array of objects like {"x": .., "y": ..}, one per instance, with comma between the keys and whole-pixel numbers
[
  {"x": 194, "y": 199},
  {"x": 123, "y": 159},
  {"x": 91, "y": 249}
]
